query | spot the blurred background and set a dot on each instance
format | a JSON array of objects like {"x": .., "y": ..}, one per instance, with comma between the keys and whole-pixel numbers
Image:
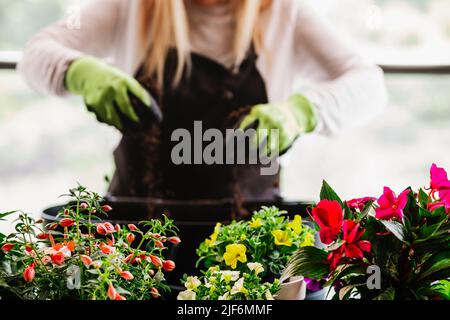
[{"x": 48, "y": 144}]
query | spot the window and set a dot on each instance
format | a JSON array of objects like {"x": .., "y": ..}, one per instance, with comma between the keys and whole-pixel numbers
[{"x": 48, "y": 144}]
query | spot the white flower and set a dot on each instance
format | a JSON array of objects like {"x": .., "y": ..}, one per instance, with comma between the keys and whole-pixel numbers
[
  {"x": 187, "y": 295},
  {"x": 192, "y": 283},
  {"x": 269, "y": 295},
  {"x": 255, "y": 266},
  {"x": 228, "y": 276},
  {"x": 239, "y": 287},
  {"x": 225, "y": 296}
]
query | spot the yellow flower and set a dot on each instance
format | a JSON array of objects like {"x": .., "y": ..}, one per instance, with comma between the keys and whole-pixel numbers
[
  {"x": 282, "y": 238},
  {"x": 229, "y": 276},
  {"x": 296, "y": 225},
  {"x": 239, "y": 287},
  {"x": 192, "y": 283},
  {"x": 213, "y": 238},
  {"x": 309, "y": 240},
  {"x": 235, "y": 253},
  {"x": 255, "y": 224}
]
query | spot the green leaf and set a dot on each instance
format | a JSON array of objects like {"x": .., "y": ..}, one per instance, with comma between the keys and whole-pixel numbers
[
  {"x": 396, "y": 229},
  {"x": 423, "y": 198},
  {"x": 435, "y": 265},
  {"x": 5, "y": 214},
  {"x": 327, "y": 193},
  {"x": 309, "y": 262},
  {"x": 388, "y": 294}
]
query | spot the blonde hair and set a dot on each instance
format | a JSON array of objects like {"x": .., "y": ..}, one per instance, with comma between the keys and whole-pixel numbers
[{"x": 164, "y": 24}]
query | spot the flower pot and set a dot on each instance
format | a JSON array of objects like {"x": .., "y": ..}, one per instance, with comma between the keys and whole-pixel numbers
[
  {"x": 295, "y": 289},
  {"x": 194, "y": 219}
]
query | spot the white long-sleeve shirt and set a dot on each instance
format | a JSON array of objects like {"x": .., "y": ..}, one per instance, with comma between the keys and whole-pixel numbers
[{"x": 301, "y": 54}]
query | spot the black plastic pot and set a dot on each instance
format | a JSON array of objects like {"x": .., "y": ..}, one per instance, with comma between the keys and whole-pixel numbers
[{"x": 195, "y": 220}]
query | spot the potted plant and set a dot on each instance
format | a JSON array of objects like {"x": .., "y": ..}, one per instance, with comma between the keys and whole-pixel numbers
[
  {"x": 386, "y": 248},
  {"x": 82, "y": 257},
  {"x": 268, "y": 239}
]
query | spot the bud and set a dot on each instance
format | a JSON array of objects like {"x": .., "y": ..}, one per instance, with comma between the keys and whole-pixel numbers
[
  {"x": 127, "y": 275},
  {"x": 42, "y": 236},
  {"x": 174, "y": 240},
  {"x": 130, "y": 238},
  {"x": 132, "y": 227},
  {"x": 155, "y": 293},
  {"x": 156, "y": 261},
  {"x": 8, "y": 247},
  {"x": 29, "y": 273},
  {"x": 66, "y": 222},
  {"x": 169, "y": 265},
  {"x": 112, "y": 292},
  {"x": 106, "y": 208},
  {"x": 84, "y": 206},
  {"x": 159, "y": 244}
]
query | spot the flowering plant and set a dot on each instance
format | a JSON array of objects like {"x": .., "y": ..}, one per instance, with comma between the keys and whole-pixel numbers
[
  {"x": 219, "y": 284},
  {"x": 82, "y": 257},
  {"x": 391, "y": 247},
  {"x": 270, "y": 239}
]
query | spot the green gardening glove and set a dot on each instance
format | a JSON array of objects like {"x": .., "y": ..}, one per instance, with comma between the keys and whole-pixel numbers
[
  {"x": 105, "y": 90},
  {"x": 292, "y": 118}
]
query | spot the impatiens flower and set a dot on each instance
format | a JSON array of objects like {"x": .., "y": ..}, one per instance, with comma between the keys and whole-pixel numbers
[
  {"x": 359, "y": 203},
  {"x": 159, "y": 244},
  {"x": 132, "y": 227},
  {"x": 130, "y": 238},
  {"x": 8, "y": 247},
  {"x": 58, "y": 252},
  {"x": 296, "y": 225},
  {"x": 192, "y": 283},
  {"x": 169, "y": 265},
  {"x": 112, "y": 292},
  {"x": 282, "y": 238},
  {"x": 329, "y": 217},
  {"x": 334, "y": 258},
  {"x": 353, "y": 246},
  {"x": 235, "y": 253},
  {"x": 187, "y": 295},
  {"x": 66, "y": 222},
  {"x": 155, "y": 293},
  {"x": 256, "y": 223},
  {"x": 57, "y": 258},
  {"x": 391, "y": 206},
  {"x": 174, "y": 240},
  {"x": 87, "y": 261},
  {"x": 105, "y": 248},
  {"x": 120, "y": 298},
  {"x": 42, "y": 236},
  {"x": 256, "y": 267},
  {"x": 156, "y": 261},
  {"x": 439, "y": 179},
  {"x": 29, "y": 273},
  {"x": 127, "y": 275}
]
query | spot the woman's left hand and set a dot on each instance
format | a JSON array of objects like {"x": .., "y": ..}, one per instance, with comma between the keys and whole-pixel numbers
[{"x": 291, "y": 118}]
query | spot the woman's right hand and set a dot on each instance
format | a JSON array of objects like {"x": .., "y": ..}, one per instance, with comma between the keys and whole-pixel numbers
[{"x": 105, "y": 90}]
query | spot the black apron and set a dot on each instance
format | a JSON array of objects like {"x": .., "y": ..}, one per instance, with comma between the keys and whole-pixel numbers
[{"x": 216, "y": 96}]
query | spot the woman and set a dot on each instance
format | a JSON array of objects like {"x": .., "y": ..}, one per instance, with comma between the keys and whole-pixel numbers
[{"x": 204, "y": 60}]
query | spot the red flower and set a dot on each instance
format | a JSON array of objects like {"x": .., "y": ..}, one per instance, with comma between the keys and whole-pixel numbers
[
  {"x": 105, "y": 248},
  {"x": 127, "y": 275},
  {"x": 155, "y": 293},
  {"x": 334, "y": 258},
  {"x": 112, "y": 292},
  {"x": 119, "y": 297},
  {"x": 132, "y": 227},
  {"x": 353, "y": 246},
  {"x": 159, "y": 244},
  {"x": 359, "y": 203},
  {"x": 329, "y": 216},
  {"x": 130, "y": 238},
  {"x": 107, "y": 208},
  {"x": 8, "y": 247},
  {"x": 117, "y": 227},
  {"x": 87, "y": 261},
  {"x": 29, "y": 273},
  {"x": 66, "y": 222},
  {"x": 130, "y": 259},
  {"x": 57, "y": 258},
  {"x": 51, "y": 226},
  {"x": 174, "y": 240},
  {"x": 105, "y": 228},
  {"x": 169, "y": 265},
  {"x": 156, "y": 261},
  {"x": 391, "y": 206},
  {"x": 42, "y": 236}
]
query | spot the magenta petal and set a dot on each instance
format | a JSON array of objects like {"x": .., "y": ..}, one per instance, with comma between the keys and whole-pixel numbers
[
  {"x": 438, "y": 177},
  {"x": 384, "y": 213},
  {"x": 403, "y": 199},
  {"x": 365, "y": 245}
]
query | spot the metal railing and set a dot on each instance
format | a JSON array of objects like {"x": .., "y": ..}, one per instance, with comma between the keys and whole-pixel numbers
[{"x": 10, "y": 64}]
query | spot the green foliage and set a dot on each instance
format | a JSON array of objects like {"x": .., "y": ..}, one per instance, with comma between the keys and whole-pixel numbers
[
  {"x": 269, "y": 238},
  {"x": 82, "y": 257}
]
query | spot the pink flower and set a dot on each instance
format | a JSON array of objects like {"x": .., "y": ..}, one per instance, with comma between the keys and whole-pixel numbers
[
  {"x": 87, "y": 261},
  {"x": 359, "y": 203},
  {"x": 105, "y": 228},
  {"x": 127, "y": 275},
  {"x": 391, "y": 206},
  {"x": 112, "y": 292},
  {"x": 29, "y": 273},
  {"x": 439, "y": 179},
  {"x": 329, "y": 217}
]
